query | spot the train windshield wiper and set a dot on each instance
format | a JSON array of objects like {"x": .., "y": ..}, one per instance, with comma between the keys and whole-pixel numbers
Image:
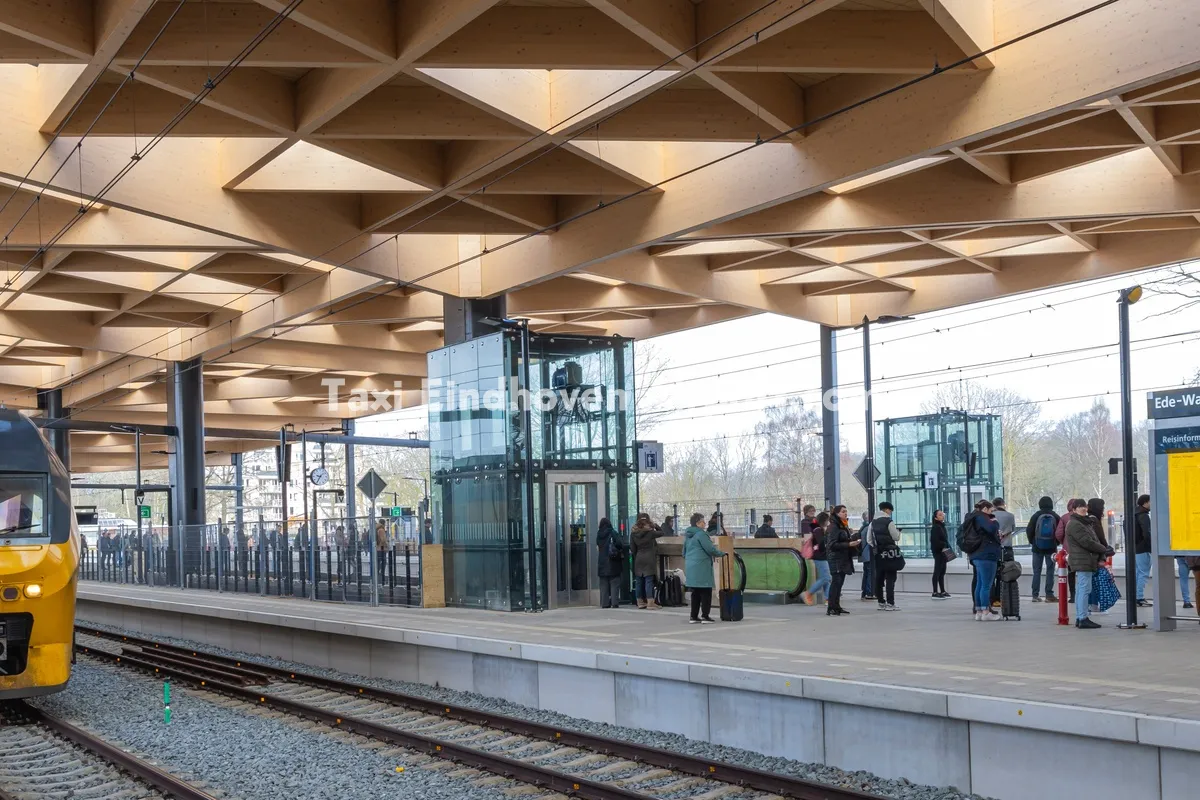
[{"x": 15, "y": 528}]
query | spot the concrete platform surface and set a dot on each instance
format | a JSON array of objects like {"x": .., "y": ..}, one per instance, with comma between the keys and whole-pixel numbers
[{"x": 929, "y": 645}]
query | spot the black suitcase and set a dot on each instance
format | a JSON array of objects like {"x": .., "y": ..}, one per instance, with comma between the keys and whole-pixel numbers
[
  {"x": 1010, "y": 600},
  {"x": 730, "y": 599}
]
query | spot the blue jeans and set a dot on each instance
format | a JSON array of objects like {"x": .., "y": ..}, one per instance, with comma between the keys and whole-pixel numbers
[
  {"x": 824, "y": 579},
  {"x": 1181, "y": 566},
  {"x": 1143, "y": 573},
  {"x": 1051, "y": 571},
  {"x": 1083, "y": 591},
  {"x": 985, "y": 576},
  {"x": 868, "y": 584},
  {"x": 643, "y": 586}
]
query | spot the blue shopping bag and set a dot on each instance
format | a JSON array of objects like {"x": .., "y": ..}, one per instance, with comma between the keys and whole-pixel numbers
[{"x": 1104, "y": 589}]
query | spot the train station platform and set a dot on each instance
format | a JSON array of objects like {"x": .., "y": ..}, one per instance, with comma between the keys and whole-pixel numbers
[{"x": 1023, "y": 709}]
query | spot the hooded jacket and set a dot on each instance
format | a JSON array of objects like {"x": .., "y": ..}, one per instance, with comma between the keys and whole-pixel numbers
[
  {"x": 643, "y": 542},
  {"x": 1085, "y": 549},
  {"x": 1095, "y": 508},
  {"x": 698, "y": 554},
  {"x": 1045, "y": 506},
  {"x": 607, "y": 567},
  {"x": 990, "y": 531}
]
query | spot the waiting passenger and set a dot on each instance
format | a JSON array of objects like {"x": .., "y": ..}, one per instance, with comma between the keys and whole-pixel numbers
[
  {"x": 668, "y": 527},
  {"x": 985, "y": 558},
  {"x": 1183, "y": 570},
  {"x": 1193, "y": 564},
  {"x": 1040, "y": 534},
  {"x": 643, "y": 542},
  {"x": 609, "y": 564},
  {"x": 866, "y": 558},
  {"x": 1142, "y": 547},
  {"x": 1085, "y": 553},
  {"x": 840, "y": 544},
  {"x": 716, "y": 525},
  {"x": 939, "y": 543},
  {"x": 820, "y": 559},
  {"x": 698, "y": 554},
  {"x": 1060, "y": 536},
  {"x": 885, "y": 544},
  {"x": 766, "y": 531},
  {"x": 810, "y": 519}
]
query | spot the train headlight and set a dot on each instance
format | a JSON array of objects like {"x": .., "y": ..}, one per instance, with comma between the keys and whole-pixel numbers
[{"x": 33, "y": 590}]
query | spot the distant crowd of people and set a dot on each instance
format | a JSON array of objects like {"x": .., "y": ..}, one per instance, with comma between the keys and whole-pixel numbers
[{"x": 985, "y": 537}]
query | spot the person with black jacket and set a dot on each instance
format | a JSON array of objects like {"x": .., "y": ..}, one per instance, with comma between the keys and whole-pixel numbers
[
  {"x": 765, "y": 531},
  {"x": 840, "y": 545},
  {"x": 1043, "y": 555},
  {"x": 885, "y": 544},
  {"x": 939, "y": 543},
  {"x": 1142, "y": 547},
  {"x": 610, "y": 563},
  {"x": 866, "y": 558}
]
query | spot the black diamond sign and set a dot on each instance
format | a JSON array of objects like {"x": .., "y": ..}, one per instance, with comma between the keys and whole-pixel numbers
[
  {"x": 371, "y": 484},
  {"x": 866, "y": 473}
]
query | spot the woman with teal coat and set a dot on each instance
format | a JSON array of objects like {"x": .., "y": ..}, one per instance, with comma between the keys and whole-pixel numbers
[{"x": 698, "y": 554}]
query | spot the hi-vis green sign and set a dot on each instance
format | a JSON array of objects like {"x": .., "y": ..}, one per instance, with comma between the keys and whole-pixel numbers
[{"x": 144, "y": 512}]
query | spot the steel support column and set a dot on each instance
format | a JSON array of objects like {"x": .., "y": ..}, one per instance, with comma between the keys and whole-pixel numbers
[
  {"x": 239, "y": 494},
  {"x": 50, "y": 404},
  {"x": 185, "y": 411},
  {"x": 830, "y": 432}
]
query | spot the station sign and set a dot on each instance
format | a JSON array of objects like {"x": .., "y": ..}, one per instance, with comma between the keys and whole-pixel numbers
[
  {"x": 649, "y": 456},
  {"x": 1173, "y": 403},
  {"x": 144, "y": 512}
]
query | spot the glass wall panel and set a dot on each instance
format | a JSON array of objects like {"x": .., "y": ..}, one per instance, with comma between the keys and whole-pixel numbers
[
  {"x": 581, "y": 418},
  {"x": 924, "y": 463}
]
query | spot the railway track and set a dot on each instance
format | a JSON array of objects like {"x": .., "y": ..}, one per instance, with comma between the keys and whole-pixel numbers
[
  {"x": 42, "y": 756},
  {"x": 571, "y": 762}
]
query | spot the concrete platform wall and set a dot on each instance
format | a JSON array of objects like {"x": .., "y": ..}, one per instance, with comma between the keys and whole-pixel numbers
[{"x": 986, "y": 745}]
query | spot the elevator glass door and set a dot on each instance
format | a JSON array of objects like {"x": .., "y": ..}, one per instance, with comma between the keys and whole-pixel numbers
[{"x": 573, "y": 556}]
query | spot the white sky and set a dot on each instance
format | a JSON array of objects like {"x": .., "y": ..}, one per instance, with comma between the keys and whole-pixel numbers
[{"x": 751, "y": 363}]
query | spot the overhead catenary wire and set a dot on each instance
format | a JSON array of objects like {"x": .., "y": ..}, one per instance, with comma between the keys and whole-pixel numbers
[
  {"x": 87, "y": 132},
  {"x": 483, "y": 169},
  {"x": 209, "y": 85},
  {"x": 855, "y": 423},
  {"x": 402, "y": 284}
]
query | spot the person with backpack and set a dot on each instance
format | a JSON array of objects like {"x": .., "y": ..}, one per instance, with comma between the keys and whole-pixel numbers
[
  {"x": 698, "y": 555},
  {"x": 939, "y": 543},
  {"x": 884, "y": 537},
  {"x": 1085, "y": 551},
  {"x": 1043, "y": 545},
  {"x": 643, "y": 543},
  {"x": 1142, "y": 547},
  {"x": 840, "y": 545},
  {"x": 609, "y": 563},
  {"x": 979, "y": 538},
  {"x": 820, "y": 560}
]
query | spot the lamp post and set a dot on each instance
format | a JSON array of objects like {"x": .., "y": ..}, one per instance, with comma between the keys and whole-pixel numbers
[
  {"x": 1127, "y": 298},
  {"x": 865, "y": 327}
]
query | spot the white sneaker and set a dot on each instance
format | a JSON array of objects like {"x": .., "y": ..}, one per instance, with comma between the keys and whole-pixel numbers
[
  {"x": 893, "y": 608},
  {"x": 987, "y": 616},
  {"x": 979, "y": 616}
]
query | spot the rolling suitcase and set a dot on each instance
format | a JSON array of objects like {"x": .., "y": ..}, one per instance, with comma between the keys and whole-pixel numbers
[
  {"x": 730, "y": 599},
  {"x": 1010, "y": 600}
]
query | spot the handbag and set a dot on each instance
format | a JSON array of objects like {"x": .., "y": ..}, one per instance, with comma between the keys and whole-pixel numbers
[
  {"x": 1104, "y": 589},
  {"x": 891, "y": 560},
  {"x": 949, "y": 555},
  {"x": 806, "y": 548}
]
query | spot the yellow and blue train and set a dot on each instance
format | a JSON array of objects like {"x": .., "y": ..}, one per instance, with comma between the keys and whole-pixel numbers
[{"x": 39, "y": 560}]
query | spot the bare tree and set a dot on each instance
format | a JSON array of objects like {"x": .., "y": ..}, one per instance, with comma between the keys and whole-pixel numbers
[
  {"x": 650, "y": 404},
  {"x": 1180, "y": 284},
  {"x": 1023, "y": 429}
]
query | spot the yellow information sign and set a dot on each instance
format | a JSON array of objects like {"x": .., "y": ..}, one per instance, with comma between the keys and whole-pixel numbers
[{"x": 1183, "y": 491}]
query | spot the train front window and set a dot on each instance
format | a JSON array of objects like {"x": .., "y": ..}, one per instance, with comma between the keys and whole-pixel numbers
[{"x": 22, "y": 506}]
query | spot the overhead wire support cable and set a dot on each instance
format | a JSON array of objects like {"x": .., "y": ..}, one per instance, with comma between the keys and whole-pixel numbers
[{"x": 830, "y": 115}]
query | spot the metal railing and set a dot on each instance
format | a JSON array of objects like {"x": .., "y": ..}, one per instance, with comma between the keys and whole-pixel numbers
[{"x": 353, "y": 569}]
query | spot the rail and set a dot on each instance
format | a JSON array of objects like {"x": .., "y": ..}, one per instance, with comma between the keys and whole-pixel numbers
[
  {"x": 759, "y": 780},
  {"x": 165, "y": 783}
]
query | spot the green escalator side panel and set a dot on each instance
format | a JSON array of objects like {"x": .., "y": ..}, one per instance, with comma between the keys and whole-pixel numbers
[{"x": 773, "y": 570}]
